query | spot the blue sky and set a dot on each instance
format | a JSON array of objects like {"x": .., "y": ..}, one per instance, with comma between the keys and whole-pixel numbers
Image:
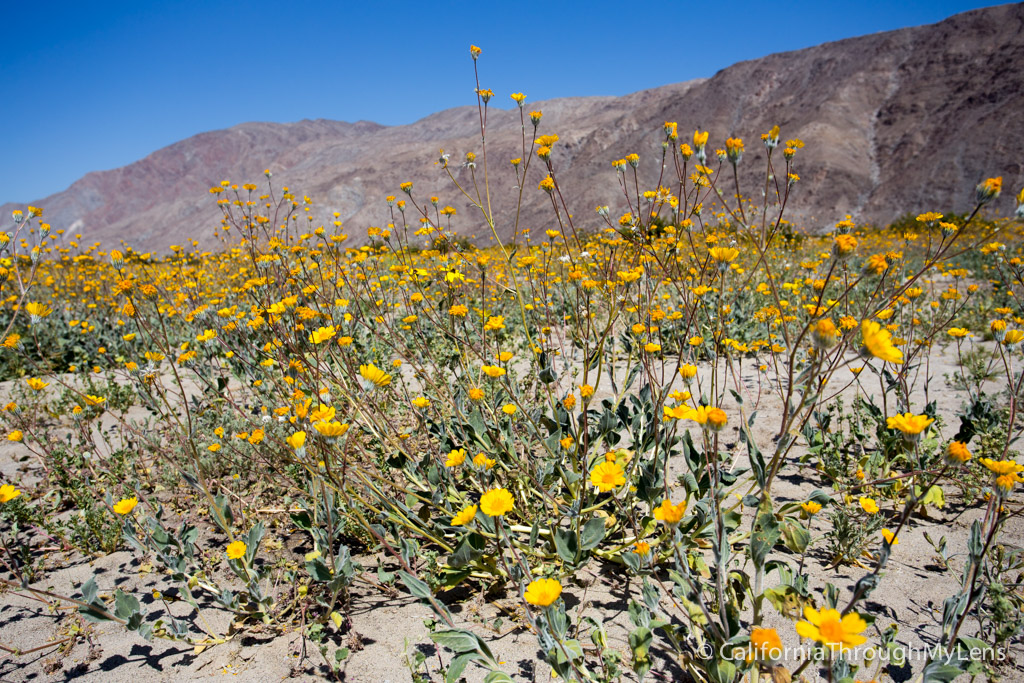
[{"x": 96, "y": 85}]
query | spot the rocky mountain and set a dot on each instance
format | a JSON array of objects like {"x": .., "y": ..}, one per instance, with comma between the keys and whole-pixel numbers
[{"x": 895, "y": 122}]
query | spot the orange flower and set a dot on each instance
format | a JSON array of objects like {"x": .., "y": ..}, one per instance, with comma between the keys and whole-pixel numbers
[{"x": 669, "y": 513}]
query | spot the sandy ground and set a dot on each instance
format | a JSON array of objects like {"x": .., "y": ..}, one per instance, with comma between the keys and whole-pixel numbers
[{"x": 387, "y": 627}]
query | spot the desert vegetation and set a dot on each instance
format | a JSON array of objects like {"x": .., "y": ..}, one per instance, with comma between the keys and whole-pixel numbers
[{"x": 678, "y": 399}]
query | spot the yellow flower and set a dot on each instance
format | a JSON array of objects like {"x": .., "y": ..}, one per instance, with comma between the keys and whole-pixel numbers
[
  {"x": 688, "y": 372},
  {"x": 481, "y": 460},
  {"x": 322, "y": 334},
  {"x": 476, "y": 393},
  {"x": 330, "y": 430},
  {"x": 496, "y": 502},
  {"x": 958, "y": 332},
  {"x": 374, "y": 375},
  {"x": 8, "y": 493},
  {"x": 831, "y": 629},
  {"x": 297, "y": 440},
  {"x": 641, "y": 548},
  {"x": 911, "y": 425},
  {"x": 607, "y": 476},
  {"x": 766, "y": 643},
  {"x": 322, "y": 414},
  {"x": 989, "y": 189},
  {"x": 811, "y": 507},
  {"x": 125, "y": 505},
  {"x": 37, "y": 310},
  {"x": 37, "y": 384},
  {"x": 493, "y": 371},
  {"x": 890, "y": 537},
  {"x": 459, "y": 310},
  {"x": 957, "y": 453},
  {"x": 844, "y": 245},
  {"x": 509, "y": 409},
  {"x": 213, "y": 447},
  {"x": 679, "y": 412},
  {"x": 825, "y": 334},
  {"x": 91, "y": 400},
  {"x": 869, "y": 505},
  {"x": 16, "y": 435},
  {"x": 465, "y": 516},
  {"x": 455, "y": 458},
  {"x": 723, "y": 254},
  {"x": 878, "y": 342},
  {"x": 1013, "y": 337},
  {"x": 542, "y": 592},
  {"x": 652, "y": 347},
  {"x": 709, "y": 418},
  {"x": 668, "y": 513},
  {"x": 1007, "y": 473},
  {"x": 236, "y": 550},
  {"x": 586, "y": 391},
  {"x": 421, "y": 402}
]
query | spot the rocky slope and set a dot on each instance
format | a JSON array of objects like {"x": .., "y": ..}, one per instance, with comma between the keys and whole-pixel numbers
[{"x": 896, "y": 122}]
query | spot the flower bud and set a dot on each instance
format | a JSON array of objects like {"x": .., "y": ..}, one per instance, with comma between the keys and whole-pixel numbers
[{"x": 988, "y": 190}]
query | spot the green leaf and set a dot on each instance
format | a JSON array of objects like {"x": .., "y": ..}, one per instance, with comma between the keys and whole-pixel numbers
[
  {"x": 572, "y": 647},
  {"x": 639, "y": 643},
  {"x": 937, "y": 672},
  {"x": 763, "y": 538},
  {"x": 458, "y": 665},
  {"x": 253, "y": 540},
  {"x": 89, "y": 590},
  {"x": 221, "y": 513},
  {"x": 469, "y": 549},
  {"x": 497, "y": 677},
  {"x": 125, "y": 605},
  {"x": 795, "y": 535},
  {"x": 383, "y": 576},
  {"x": 935, "y": 497},
  {"x": 416, "y": 587},
  {"x": 722, "y": 671},
  {"x": 640, "y": 640},
  {"x": 631, "y": 560},
  {"x": 456, "y": 640},
  {"x": 319, "y": 570},
  {"x": 592, "y": 534},
  {"x": 566, "y": 544}
]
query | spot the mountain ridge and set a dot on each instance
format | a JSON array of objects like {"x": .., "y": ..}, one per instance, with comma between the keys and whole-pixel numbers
[{"x": 895, "y": 122}]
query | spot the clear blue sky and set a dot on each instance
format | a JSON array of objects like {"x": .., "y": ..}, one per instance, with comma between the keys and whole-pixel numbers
[{"x": 96, "y": 85}]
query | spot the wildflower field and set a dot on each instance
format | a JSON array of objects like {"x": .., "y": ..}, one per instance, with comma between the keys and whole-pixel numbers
[{"x": 670, "y": 439}]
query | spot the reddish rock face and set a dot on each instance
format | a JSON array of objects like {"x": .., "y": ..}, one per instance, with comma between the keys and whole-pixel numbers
[{"x": 898, "y": 122}]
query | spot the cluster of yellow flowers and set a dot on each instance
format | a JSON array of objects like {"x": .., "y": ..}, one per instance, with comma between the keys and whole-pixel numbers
[{"x": 469, "y": 396}]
